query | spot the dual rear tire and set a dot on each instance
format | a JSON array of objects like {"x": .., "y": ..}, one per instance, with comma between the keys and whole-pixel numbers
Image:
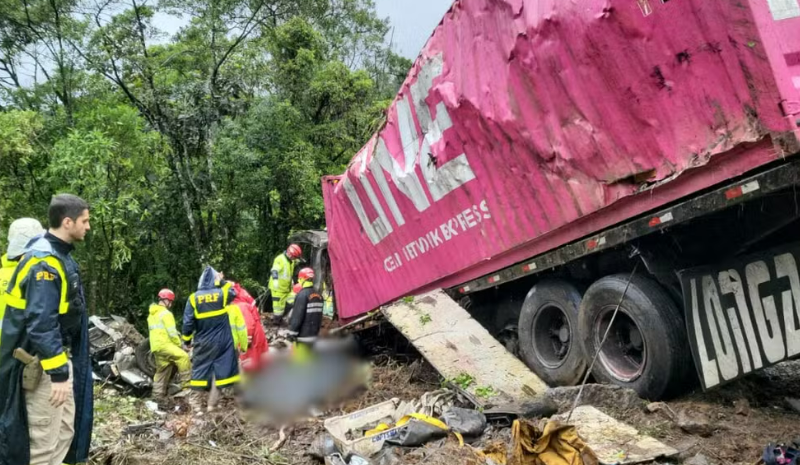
[{"x": 560, "y": 330}]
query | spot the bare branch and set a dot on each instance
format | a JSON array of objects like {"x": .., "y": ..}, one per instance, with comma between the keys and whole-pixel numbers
[{"x": 246, "y": 30}]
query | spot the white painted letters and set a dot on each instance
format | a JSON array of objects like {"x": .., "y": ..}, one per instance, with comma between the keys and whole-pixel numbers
[
  {"x": 720, "y": 336},
  {"x": 786, "y": 266},
  {"x": 765, "y": 312},
  {"x": 423, "y": 149},
  {"x": 708, "y": 366}
]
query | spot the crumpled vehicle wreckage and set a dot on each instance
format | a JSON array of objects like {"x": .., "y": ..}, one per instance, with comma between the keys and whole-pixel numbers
[{"x": 120, "y": 355}]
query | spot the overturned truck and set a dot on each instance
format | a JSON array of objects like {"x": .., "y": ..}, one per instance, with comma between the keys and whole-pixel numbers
[{"x": 542, "y": 158}]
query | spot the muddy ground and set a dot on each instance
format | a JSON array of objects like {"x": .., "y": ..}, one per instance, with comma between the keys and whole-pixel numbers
[{"x": 729, "y": 425}]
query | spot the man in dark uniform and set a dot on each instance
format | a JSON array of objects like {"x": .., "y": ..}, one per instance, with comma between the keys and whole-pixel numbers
[
  {"x": 306, "y": 319},
  {"x": 207, "y": 328},
  {"x": 45, "y": 373}
]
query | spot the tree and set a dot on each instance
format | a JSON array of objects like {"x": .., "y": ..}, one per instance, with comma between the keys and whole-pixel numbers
[{"x": 202, "y": 148}]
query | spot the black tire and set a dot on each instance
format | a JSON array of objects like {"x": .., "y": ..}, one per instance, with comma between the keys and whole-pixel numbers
[
  {"x": 646, "y": 349},
  {"x": 145, "y": 359},
  {"x": 548, "y": 333}
]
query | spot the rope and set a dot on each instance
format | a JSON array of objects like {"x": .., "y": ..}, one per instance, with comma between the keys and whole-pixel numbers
[{"x": 600, "y": 347}]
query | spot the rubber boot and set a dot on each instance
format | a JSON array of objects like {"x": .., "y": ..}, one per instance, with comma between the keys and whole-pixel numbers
[
  {"x": 161, "y": 381},
  {"x": 213, "y": 397},
  {"x": 196, "y": 402},
  {"x": 183, "y": 382}
]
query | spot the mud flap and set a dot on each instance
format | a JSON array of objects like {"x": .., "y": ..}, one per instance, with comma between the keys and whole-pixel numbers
[{"x": 459, "y": 347}]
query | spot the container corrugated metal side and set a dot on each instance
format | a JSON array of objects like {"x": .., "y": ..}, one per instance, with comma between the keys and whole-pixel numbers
[{"x": 524, "y": 125}]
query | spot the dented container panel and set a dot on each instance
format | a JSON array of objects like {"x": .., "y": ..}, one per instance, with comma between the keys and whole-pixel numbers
[{"x": 525, "y": 125}]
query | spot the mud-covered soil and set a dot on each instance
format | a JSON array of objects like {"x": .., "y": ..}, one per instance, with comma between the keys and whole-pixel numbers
[
  {"x": 729, "y": 425},
  {"x": 741, "y": 417},
  {"x": 228, "y": 435}
]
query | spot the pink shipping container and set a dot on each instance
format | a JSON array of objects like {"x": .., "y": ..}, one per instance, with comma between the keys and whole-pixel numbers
[{"x": 525, "y": 125}]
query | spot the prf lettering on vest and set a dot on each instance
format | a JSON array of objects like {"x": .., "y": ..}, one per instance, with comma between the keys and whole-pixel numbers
[
  {"x": 751, "y": 318},
  {"x": 440, "y": 180},
  {"x": 45, "y": 276},
  {"x": 208, "y": 298}
]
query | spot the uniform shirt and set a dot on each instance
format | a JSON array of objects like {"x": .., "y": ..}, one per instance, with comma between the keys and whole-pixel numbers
[{"x": 306, "y": 319}]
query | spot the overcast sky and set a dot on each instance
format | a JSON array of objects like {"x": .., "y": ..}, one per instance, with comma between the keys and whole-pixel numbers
[{"x": 413, "y": 21}]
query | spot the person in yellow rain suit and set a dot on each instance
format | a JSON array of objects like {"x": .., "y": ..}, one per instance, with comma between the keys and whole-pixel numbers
[
  {"x": 280, "y": 280},
  {"x": 238, "y": 328},
  {"x": 19, "y": 234},
  {"x": 165, "y": 343}
]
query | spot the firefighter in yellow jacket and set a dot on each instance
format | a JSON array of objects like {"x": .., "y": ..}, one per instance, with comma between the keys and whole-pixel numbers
[
  {"x": 280, "y": 280},
  {"x": 165, "y": 343}
]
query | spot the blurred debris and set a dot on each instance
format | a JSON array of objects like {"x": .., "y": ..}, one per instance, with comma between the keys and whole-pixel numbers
[
  {"x": 323, "y": 446},
  {"x": 698, "y": 459},
  {"x": 598, "y": 395},
  {"x": 469, "y": 423},
  {"x": 793, "y": 403},
  {"x": 120, "y": 355},
  {"x": 335, "y": 459},
  {"x": 416, "y": 430},
  {"x": 504, "y": 415},
  {"x": 614, "y": 441},
  {"x": 742, "y": 407},
  {"x": 695, "y": 423},
  {"x": 431, "y": 404},
  {"x": 139, "y": 429}
]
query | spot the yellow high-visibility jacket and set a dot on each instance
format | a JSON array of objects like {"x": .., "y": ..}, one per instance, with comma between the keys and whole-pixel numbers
[
  {"x": 280, "y": 282},
  {"x": 161, "y": 324},
  {"x": 238, "y": 328},
  {"x": 6, "y": 273}
]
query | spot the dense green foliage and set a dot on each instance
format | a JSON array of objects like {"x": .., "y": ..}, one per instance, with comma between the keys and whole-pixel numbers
[{"x": 205, "y": 147}]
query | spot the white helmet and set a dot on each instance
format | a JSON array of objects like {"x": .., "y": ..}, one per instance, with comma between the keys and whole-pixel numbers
[{"x": 20, "y": 233}]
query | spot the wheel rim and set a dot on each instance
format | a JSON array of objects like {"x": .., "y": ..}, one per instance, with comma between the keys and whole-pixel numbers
[
  {"x": 624, "y": 353},
  {"x": 552, "y": 335}
]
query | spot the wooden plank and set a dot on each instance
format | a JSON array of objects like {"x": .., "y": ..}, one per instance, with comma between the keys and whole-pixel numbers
[{"x": 455, "y": 344}]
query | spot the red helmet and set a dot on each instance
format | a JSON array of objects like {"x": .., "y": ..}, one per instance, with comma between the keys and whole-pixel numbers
[
  {"x": 166, "y": 294},
  {"x": 306, "y": 274},
  {"x": 294, "y": 251}
]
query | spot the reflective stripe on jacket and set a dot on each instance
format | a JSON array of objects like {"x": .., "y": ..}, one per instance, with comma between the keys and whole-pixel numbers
[
  {"x": 44, "y": 280},
  {"x": 46, "y": 316},
  {"x": 306, "y": 319},
  {"x": 206, "y": 323},
  {"x": 6, "y": 272},
  {"x": 161, "y": 326},
  {"x": 238, "y": 328},
  {"x": 280, "y": 282}
]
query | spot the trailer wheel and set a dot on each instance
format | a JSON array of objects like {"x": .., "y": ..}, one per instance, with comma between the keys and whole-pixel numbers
[
  {"x": 548, "y": 333},
  {"x": 646, "y": 349}
]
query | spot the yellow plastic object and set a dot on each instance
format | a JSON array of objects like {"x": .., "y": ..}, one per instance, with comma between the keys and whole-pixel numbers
[{"x": 378, "y": 429}]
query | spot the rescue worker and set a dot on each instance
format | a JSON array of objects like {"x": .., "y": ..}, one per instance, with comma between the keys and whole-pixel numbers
[
  {"x": 280, "y": 280},
  {"x": 165, "y": 344},
  {"x": 46, "y": 405},
  {"x": 238, "y": 328},
  {"x": 252, "y": 359},
  {"x": 206, "y": 326},
  {"x": 19, "y": 234},
  {"x": 240, "y": 342},
  {"x": 306, "y": 320}
]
